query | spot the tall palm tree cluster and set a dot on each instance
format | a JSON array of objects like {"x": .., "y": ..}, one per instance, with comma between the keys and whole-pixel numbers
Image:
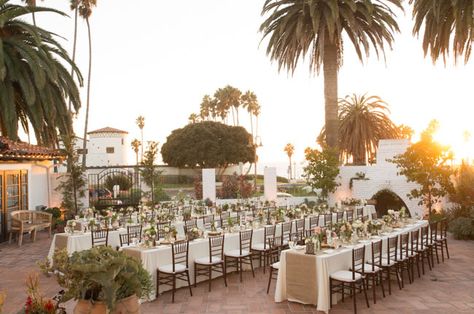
[
  {"x": 228, "y": 101},
  {"x": 34, "y": 84},
  {"x": 317, "y": 29}
]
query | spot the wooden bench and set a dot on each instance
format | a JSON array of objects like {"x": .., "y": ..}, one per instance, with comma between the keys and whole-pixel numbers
[{"x": 29, "y": 221}]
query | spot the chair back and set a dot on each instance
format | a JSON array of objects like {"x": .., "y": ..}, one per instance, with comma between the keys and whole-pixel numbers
[
  {"x": 223, "y": 218},
  {"x": 339, "y": 216},
  {"x": 374, "y": 215},
  {"x": 433, "y": 232},
  {"x": 274, "y": 247},
  {"x": 358, "y": 261},
  {"x": 359, "y": 212},
  {"x": 414, "y": 240},
  {"x": 124, "y": 239},
  {"x": 216, "y": 247},
  {"x": 134, "y": 231},
  {"x": 285, "y": 232},
  {"x": 207, "y": 221},
  {"x": 160, "y": 228},
  {"x": 99, "y": 236},
  {"x": 313, "y": 221},
  {"x": 245, "y": 238},
  {"x": 350, "y": 215},
  {"x": 444, "y": 228},
  {"x": 328, "y": 220},
  {"x": 392, "y": 249},
  {"x": 189, "y": 224},
  {"x": 424, "y": 237},
  {"x": 376, "y": 254},
  {"x": 268, "y": 234},
  {"x": 299, "y": 227},
  {"x": 404, "y": 246},
  {"x": 179, "y": 253}
]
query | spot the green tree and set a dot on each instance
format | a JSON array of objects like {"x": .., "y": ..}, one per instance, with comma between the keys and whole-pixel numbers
[
  {"x": 322, "y": 169},
  {"x": 463, "y": 192},
  {"x": 208, "y": 145},
  {"x": 297, "y": 28},
  {"x": 363, "y": 122},
  {"x": 72, "y": 184},
  {"x": 136, "y": 148},
  {"x": 405, "y": 131},
  {"x": 84, "y": 8},
  {"x": 148, "y": 170},
  {"x": 426, "y": 163},
  {"x": 448, "y": 26},
  {"x": 34, "y": 84}
]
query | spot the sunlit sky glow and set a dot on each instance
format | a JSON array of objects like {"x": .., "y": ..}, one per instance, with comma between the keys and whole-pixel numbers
[{"x": 159, "y": 58}]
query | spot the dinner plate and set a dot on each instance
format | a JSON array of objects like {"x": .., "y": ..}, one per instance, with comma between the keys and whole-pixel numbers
[
  {"x": 328, "y": 251},
  {"x": 300, "y": 247},
  {"x": 375, "y": 237}
]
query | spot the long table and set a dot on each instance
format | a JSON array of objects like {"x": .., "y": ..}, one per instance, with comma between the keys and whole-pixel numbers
[{"x": 328, "y": 263}]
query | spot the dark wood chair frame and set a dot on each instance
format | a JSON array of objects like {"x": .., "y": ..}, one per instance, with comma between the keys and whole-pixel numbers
[
  {"x": 245, "y": 242},
  {"x": 374, "y": 276},
  {"x": 99, "y": 236},
  {"x": 264, "y": 254},
  {"x": 216, "y": 249}
]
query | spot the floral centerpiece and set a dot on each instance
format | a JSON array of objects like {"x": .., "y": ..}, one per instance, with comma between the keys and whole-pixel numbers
[
  {"x": 170, "y": 232},
  {"x": 350, "y": 201},
  {"x": 359, "y": 227},
  {"x": 313, "y": 243},
  {"x": 343, "y": 230},
  {"x": 392, "y": 218},
  {"x": 375, "y": 226},
  {"x": 88, "y": 213},
  {"x": 71, "y": 225},
  {"x": 278, "y": 214},
  {"x": 149, "y": 236},
  {"x": 193, "y": 234}
]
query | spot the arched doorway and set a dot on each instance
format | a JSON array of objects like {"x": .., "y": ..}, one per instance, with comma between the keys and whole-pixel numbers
[{"x": 385, "y": 200}]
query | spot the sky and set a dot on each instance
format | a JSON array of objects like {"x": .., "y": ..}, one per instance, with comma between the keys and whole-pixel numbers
[{"x": 159, "y": 58}]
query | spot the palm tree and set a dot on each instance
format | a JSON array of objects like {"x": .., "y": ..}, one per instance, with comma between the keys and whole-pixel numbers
[
  {"x": 85, "y": 11},
  {"x": 34, "y": 84},
  {"x": 228, "y": 98},
  {"x": 140, "y": 121},
  {"x": 249, "y": 102},
  {"x": 363, "y": 122},
  {"x": 448, "y": 27},
  {"x": 289, "y": 150},
  {"x": 136, "y": 147},
  {"x": 32, "y": 3},
  {"x": 205, "y": 110},
  {"x": 193, "y": 118},
  {"x": 73, "y": 6},
  {"x": 300, "y": 27}
]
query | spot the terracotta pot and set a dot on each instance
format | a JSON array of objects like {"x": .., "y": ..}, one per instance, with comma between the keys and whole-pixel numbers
[{"x": 128, "y": 305}]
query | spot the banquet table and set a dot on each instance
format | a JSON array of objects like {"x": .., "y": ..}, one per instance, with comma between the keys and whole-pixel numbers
[
  {"x": 80, "y": 241},
  {"x": 152, "y": 258},
  {"x": 328, "y": 262}
]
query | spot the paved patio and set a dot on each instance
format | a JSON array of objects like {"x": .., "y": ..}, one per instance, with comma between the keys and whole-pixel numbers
[{"x": 446, "y": 289}]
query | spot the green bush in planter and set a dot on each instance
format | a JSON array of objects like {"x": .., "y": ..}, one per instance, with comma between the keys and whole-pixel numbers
[
  {"x": 462, "y": 228},
  {"x": 99, "y": 274}
]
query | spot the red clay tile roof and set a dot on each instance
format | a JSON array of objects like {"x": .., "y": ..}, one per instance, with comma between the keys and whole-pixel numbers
[
  {"x": 11, "y": 150},
  {"x": 107, "y": 129}
]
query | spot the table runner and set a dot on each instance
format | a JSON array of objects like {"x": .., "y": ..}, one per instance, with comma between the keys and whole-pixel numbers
[
  {"x": 133, "y": 252},
  {"x": 300, "y": 277},
  {"x": 61, "y": 241}
]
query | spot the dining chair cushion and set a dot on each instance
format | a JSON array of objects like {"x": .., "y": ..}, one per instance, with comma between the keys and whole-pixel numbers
[
  {"x": 276, "y": 265},
  {"x": 385, "y": 262},
  {"x": 205, "y": 260},
  {"x": 236, "y": 253},
  {"x": 368, "y": 268},
  {"x": 260, "y": 247},
  {"x": 178, "y": 268},
  {"x": 345, "y": 275}
]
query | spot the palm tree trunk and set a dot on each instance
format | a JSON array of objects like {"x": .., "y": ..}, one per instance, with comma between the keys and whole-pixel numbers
[
  {"x": 330, "y": 92},
  {"x": 290, "y": 172},
  {"x": 84, "y": 146},
  {"x": 143, "y": 144},
  {"x": 74, "y": 44},
  {"x": 251, "y": 126},
  {"x": 237, "y": 115}
]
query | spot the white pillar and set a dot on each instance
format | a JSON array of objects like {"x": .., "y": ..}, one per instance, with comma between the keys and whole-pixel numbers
[
  {"x": 270, "y": 183},
  {"x": 209, "y": 184}
]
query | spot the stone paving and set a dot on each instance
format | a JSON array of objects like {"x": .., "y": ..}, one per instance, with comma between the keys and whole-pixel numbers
[{"x": 446, "y": 289}]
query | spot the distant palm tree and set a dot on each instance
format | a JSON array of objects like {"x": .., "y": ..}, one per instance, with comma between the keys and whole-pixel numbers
[
  {"x": 32, "y": 3},
  {"x": 85, "y": 11},
  {"x": 297, "y": 28},
  {"x": 363, "y": 122},
  {"x": 228, "y": 98},
  {"x": 136, "y": 147},
  {"x": 289, "y": 149},
  {"x": 140, "y": 121},
  {"x": 204, "y": 111},
  {"x": 193, "y": 118},
  {"x": 34, "y": 84},
  {"x": 448, "y": 26},
  {"x": 250, "y": 102}
]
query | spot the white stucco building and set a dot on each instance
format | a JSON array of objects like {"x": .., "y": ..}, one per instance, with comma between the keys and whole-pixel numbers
[
  {"x": 106, "y": 147},
  {"x": 378, "y": 177}
]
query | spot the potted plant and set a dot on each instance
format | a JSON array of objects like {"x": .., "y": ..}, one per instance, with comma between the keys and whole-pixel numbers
[{"x": 102, "y": 279}]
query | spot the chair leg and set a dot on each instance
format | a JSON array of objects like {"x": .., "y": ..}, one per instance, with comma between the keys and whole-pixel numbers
[
  {"x": 240, "y": 268},
  {"x": 224, "y": 274},
  {"x": 174, "y": 288},
  {"x": 446, "y": 244},
  {"x": 157, "y": 284},
  {"x": 20, "y": 239},
  {"x": 365, "y": 292},
  {"x": 389, "y": 283},
  {"x": 269, "y": 279},
  {"x": 354, "y": 297},
  {"x": 330, "y": 292},
  {"x": 10, "y": 237},
  {"x": 381, "y": 283},
  {"x": 373, "y": 288},
  {"x": 189, "y": 284},
  {"x": 435, "y": 247},
  {"x": 210, "y": 277},
  {"x": 251, "y": 266},
  {"x": 196, "y": 268}
]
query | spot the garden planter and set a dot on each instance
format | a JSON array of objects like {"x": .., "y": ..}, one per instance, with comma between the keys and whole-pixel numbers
[{"x": 128, "y": 305}]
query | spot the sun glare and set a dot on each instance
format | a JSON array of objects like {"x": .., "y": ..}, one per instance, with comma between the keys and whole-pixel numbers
[{"x": 459, "y": 140}]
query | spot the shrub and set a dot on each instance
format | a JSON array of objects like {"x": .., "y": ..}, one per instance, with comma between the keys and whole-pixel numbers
[
  {"x": 462, "y": 228},
  {"x": 160, "y": 195},
  {"x": 198, "y": 188},
  {"x": 121, "y": 180}
]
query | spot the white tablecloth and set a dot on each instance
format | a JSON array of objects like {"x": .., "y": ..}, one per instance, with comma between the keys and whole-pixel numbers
[
  {"x": 154, "y": 257},
  {"x": 82, "y": 241},
  {"x": 326, "y": 264}
]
